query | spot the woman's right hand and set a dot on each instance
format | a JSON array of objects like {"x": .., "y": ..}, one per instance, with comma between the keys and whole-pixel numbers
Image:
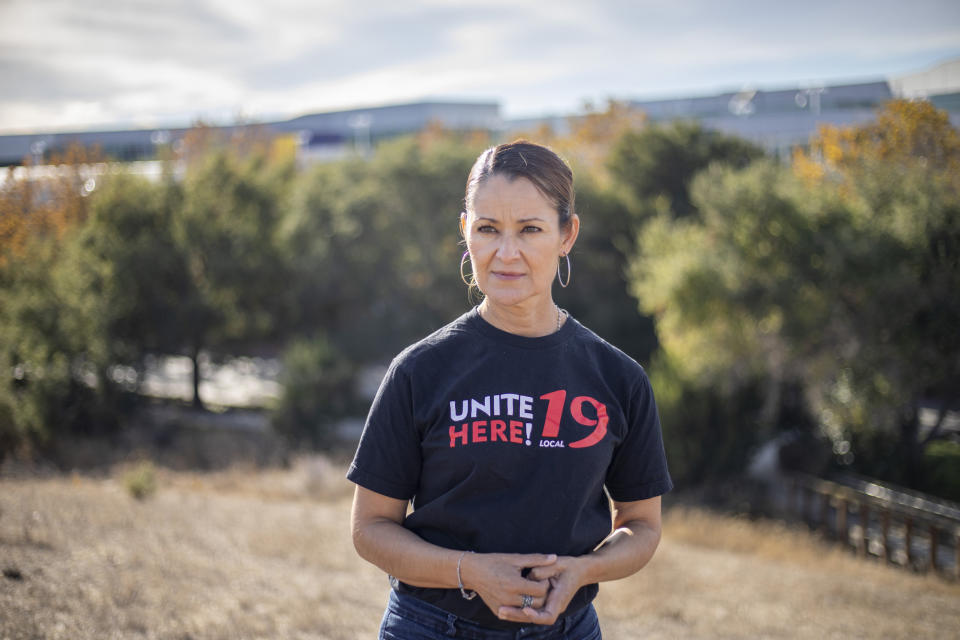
[{"x": 500, "y": 581}]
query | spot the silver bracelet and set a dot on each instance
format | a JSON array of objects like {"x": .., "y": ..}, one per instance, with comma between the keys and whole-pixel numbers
[{"x": 467, "y": 594}]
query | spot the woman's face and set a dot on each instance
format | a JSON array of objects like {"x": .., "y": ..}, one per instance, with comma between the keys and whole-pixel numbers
[{"x": 514, "y": 237}]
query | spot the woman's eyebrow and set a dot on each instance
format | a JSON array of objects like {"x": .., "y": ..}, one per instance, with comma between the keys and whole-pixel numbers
[{"x": 521, "y": 220}]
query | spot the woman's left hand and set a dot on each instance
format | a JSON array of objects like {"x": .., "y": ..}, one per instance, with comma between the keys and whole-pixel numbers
[{"x": 566, "y": 576}]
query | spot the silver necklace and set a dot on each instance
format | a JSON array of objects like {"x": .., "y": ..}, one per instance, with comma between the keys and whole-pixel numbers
[{"x": 559, "y": 312}]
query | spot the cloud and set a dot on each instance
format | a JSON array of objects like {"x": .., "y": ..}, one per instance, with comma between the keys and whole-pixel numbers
[{"x": 67, "y": 63}]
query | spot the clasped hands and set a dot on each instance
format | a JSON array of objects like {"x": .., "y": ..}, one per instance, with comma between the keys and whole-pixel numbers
[{"x": 502, "y": 579}]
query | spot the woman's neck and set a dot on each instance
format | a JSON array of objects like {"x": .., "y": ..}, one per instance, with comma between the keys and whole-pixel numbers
[{"x": 531, "y": 321}]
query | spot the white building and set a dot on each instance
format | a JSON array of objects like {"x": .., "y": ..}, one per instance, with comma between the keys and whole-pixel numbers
[
  {"x": 784, "y": 118},
  {"x": 319, "y": 135}
]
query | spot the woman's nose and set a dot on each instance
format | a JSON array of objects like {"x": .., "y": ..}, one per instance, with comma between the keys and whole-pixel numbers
[{"x": 508, "y": 248}]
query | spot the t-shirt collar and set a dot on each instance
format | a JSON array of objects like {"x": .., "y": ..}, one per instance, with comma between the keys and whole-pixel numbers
[{"x": 476, "y": 321}]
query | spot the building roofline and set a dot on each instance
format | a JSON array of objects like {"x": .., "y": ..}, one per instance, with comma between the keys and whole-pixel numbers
[
  {"x": 255, "y": 123},
  {"x": 759, "y": 89}
]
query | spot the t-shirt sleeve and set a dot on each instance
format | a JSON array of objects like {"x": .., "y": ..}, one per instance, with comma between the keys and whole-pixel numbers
[
  {"x": 388, "y": 458},
  {"x": 638, "y": 469}
]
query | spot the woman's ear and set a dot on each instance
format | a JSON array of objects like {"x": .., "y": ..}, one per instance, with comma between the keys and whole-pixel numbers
[
  {"x": 573, "y": 230},
  {"x": 463, "y": 224}
]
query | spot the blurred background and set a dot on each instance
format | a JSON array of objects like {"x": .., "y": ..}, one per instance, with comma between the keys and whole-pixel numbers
[{"x": 219, "y": 221}]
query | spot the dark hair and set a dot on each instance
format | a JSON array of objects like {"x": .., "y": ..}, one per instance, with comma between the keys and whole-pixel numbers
[{"x": 538, "y": 164}]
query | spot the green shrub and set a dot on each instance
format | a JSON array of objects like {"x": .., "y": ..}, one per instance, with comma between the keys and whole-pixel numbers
[
  {"x": 318, "y": 390},
  {"x": 941, "y": 464},
  {"x": 708, "y": 435},
  {"x": 141, "y": 481}
]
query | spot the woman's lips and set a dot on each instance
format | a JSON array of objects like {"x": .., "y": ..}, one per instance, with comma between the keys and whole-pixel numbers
[{"x": 507, "y": 275}]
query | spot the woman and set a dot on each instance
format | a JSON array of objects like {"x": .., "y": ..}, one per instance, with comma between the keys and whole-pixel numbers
[{"x": 504, "y": 428}]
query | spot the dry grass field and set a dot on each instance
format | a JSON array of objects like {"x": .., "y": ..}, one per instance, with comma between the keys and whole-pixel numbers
[{"x": 266, "y": 554}]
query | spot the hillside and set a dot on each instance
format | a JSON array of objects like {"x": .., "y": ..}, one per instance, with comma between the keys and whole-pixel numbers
[{"x": 267, "y": 554}]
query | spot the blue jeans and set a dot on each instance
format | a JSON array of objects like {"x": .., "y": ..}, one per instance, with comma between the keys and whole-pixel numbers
[{"x": 409, "y": 618}]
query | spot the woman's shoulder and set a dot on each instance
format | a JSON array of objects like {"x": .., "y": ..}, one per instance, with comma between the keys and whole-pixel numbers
[
  {"x": 626, "y": 377},
  {"x": 450, "y": 336},
  {"x": 609, "y": 354}
]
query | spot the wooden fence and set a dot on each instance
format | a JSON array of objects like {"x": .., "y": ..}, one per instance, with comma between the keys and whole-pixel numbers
[{"x": 903, "y": 528}]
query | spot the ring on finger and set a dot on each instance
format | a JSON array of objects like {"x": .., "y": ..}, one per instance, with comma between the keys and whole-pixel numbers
[{"x": 526, "y": 601}]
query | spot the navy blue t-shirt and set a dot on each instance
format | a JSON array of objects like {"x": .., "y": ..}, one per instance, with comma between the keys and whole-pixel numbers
[{"x": 505, "y": 443}]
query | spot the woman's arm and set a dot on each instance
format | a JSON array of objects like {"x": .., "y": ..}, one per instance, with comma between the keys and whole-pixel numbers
[
  {"x": 380, "y": 538},
  {"x": 624, "y": 552}
]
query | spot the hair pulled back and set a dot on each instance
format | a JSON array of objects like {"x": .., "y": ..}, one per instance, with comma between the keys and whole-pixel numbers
[{"x": 524, "y": 159}]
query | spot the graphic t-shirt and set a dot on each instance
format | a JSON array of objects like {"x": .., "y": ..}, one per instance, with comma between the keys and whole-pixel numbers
[{"x": 505, "y": 443}]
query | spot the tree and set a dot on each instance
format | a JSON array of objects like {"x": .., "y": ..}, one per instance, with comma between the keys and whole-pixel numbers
[
  {"x": 318, "y": 386},
  {"x": 225, "y": 229},
  {"x": 599, "y": 294},
  {"x": 903, "y": 170},
  {"x": 660, "y": 161},
  {"x": 642, "y": 169},
  {"x": 374, "y": 246},
  {"x": 127, "y": 266},
  {"x": 48, "y": 205},
  {"x": 841, "y": 282},
  {"x": 49, "y": 365},
  {"x": 592, "y": 135}
]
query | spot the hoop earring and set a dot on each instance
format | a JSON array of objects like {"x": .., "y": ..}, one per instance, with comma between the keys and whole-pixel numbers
[
  {"x": 463, "y": 259},
  {"x": 569, "y": 272}
]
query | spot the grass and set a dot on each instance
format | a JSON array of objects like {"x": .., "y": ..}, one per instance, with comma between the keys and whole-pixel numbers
[
  {"x": 141, "y": 481},
  {"x": 266, "y": 554}
]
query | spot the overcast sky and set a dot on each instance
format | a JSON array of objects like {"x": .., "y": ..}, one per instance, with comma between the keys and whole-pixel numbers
[{"x": 76, "y": 64}]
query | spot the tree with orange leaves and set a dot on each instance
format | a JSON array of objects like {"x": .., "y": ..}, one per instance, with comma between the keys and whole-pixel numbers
[
  {"x": 47, "y": 202},
  {"x": 906, "y": 134},
  {"x": 590, "y": 137},
  {"x": 834, "y": 280}
]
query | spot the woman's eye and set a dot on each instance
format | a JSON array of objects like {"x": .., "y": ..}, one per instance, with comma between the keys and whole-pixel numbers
[
  {"x": 530, "y": 228},
  {"x": 486, "y": 229}
]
